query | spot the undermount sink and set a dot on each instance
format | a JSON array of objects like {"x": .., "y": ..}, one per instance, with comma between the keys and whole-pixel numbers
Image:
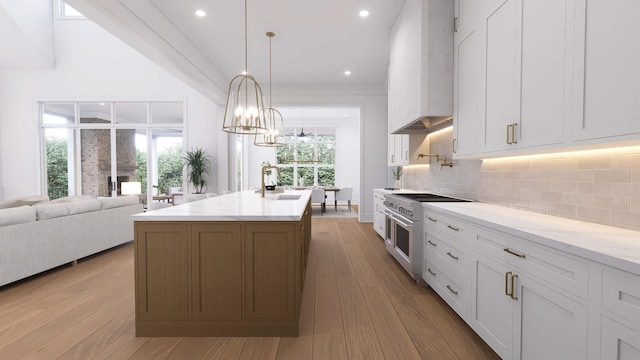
[{"x": 288, "y": 197}]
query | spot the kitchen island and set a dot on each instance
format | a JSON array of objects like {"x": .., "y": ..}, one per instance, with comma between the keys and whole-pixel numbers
[{"x": 230, "y": 265}]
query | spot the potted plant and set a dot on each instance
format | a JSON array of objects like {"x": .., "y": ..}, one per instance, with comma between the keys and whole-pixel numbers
[
  {"x": 198, "y": 167},
  {"x": 397, "y": 176}
]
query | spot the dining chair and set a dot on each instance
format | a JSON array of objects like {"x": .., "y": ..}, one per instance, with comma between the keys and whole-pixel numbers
[
  {"x": 318, "y": 196},
  {"x": 343, "y": 195}
]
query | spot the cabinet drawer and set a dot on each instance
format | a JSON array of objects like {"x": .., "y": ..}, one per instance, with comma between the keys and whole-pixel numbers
[
  {"x": 450, "y": 290},
  {"x": 453, "y": 227},
  {"x": 621, "y": 295},
  {"x": 445, "y": 250},
  {"x": 562, "y": 270}
]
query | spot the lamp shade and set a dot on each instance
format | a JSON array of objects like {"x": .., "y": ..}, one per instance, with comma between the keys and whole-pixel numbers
[{"x": 131, "y": 188}]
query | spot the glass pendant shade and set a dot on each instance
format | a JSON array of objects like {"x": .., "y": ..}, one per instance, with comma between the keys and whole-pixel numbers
[
  {"x": 275, "y": 136},
  {"x": 245, "y": 110}
]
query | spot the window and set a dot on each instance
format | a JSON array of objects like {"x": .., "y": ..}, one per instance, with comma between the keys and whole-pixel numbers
[
  {"x": 65, "y": 11},
  {"x": 308, "y": 160},
  {"x": 90, "y": 148}
]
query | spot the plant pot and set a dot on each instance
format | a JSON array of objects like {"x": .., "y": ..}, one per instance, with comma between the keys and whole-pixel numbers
[{"x": 398, "y": 184}]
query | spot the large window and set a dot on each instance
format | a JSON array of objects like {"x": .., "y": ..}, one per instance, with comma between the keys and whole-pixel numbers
[
  {"x": 308, "y": 160},
  {"x": 90, "y": 148}
]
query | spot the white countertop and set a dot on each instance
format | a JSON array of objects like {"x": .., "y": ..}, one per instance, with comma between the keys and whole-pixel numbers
[
  {"x": 616, "y": 247},
  {"x": 239, "y": 206}
]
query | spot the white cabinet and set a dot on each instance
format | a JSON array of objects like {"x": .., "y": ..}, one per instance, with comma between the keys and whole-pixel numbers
[
  {"x": 521, "y": 317},
  {"x": 421, "y": 62},
  {"x": 618, "y": 341},
  {"x": 525, "y": 64},
  {"x": 378, "y": 214},
  {"x": 467, "y": 93},
  {"x": 467, "y": 12},
  {"x": 398, "y": 150},
  {"x": 607, "y": 74}
]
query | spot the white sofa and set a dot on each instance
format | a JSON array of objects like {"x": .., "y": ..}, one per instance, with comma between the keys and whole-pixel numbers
[{"x": 39, "y": 237}]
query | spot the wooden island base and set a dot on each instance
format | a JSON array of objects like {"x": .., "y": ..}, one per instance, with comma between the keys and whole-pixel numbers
[{"x": 220, "y": 278}]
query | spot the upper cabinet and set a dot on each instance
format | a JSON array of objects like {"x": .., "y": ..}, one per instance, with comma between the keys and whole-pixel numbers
[
  {"x": 421, "y": 62},
  {"x": 542, "y": 75},
  {"x": 607, "y": 68}
]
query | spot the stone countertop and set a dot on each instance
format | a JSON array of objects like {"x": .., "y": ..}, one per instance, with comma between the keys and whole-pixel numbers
[
  {"x": 616, "y": 247},
  {"x": 239, "y": 206}
]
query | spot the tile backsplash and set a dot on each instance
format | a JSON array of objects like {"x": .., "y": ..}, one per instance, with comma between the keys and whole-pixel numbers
[{"x": 600, "y": 186}]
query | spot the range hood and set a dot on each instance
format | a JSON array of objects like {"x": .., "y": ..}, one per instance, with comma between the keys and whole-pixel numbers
[{"x": 425, "y": 125}]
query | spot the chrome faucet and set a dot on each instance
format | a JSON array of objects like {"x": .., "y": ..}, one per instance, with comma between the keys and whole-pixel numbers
[{"x": 262, "y": 172}]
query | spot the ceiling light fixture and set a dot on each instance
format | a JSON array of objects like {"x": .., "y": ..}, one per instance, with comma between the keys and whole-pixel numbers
[
  {"x": 244, "y": 111},
  {"x": 348, "y": 72},
  {"x": 200, "y": 13},
  {"x": 275, "y": 136},
  {"x": 363, "y": 13}
]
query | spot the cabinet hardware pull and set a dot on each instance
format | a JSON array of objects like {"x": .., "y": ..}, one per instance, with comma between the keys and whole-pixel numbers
[
  {"x": 506, "y": 283},
  {"x": 454, "y": 146},
  {"x": 508, "y": 133},
  {"x": 513, "y": 134},
  {"x": 432, "y": 219},
  {"x": 453, "y": 291},
  {"x": 453, "y": 228},
  {"x": 513, "y": 253},
  {"x": 455, "y": 24},
  {"x": 431, "y": 272},
  {"x": 393, "y": 158},
  {"x": 453, "y": 256},
  {"x": 432, "y": 243},
  {"x": 513, "y": 286},
  {"x": 406, "y": 155}
]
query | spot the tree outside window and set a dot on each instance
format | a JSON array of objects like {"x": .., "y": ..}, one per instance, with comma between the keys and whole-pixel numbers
[{"x": 310, "y": 161}]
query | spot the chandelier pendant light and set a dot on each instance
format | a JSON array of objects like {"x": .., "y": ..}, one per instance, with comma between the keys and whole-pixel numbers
[
  {"x": 244, "y": 112},
  {"x": 275, "y": 136}
]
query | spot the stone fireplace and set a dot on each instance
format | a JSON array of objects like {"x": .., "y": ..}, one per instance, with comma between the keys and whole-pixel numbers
[{"x": 96, "y": 158}]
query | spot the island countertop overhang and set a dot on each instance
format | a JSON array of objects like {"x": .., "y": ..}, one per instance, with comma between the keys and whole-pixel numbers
[{"x": 239, "y": 206}]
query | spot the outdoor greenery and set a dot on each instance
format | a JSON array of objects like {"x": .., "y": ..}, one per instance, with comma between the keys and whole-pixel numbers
[
  {"x": 312, "y": 161},
  {"x": 169, "y": 169},
  {"x": 198, "y": 166},
  {"x": 57, "y": 168}
]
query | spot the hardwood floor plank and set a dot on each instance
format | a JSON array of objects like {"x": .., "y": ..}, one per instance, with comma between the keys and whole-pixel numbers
[
  {"x": 191, "y": 348},
  {"x": 329, "y": 347},
  {"x": 327, "y": 305},
  {"x": 123, "y": 347},
  {"x": 340, "y": 258},
  {"x": 155, "y": 348},
  {"x": 260, "y": 348},
  {"x": 226, "y": 349}
]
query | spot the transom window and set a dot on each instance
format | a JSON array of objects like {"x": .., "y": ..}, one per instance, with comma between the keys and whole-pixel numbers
[{"x": 309, "y": 158}]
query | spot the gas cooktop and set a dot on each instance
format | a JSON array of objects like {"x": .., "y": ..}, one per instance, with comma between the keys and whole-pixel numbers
[{"x": 428, "y": 197}]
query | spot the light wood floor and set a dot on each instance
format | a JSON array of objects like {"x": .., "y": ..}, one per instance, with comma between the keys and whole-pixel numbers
[{"x": 357, "y": 304}]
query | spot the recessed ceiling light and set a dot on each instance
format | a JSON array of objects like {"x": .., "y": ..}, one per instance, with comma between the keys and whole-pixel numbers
[
  {"x": 348, "y": 72},
  {"x": 101, "y": 104},
  {"x": 201, "y": 13},
  {"x": 363, "y": 13}
]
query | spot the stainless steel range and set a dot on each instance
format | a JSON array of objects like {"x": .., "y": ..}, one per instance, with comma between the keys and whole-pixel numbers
[{"x": 404, "y": 233}]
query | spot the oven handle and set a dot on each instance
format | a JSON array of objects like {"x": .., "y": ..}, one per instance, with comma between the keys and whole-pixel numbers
[{"x": 399, "y": 219}]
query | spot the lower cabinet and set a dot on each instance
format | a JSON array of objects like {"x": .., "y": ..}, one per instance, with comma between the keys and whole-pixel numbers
[
  {"x": 522, "y": 318},
  {"x": 378, "y": 214},
  {"x": 618, "y": 341}
]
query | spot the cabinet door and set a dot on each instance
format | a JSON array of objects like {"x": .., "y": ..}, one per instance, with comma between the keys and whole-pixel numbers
[
  {"x": 216, "y": 253},
  {"x": 618, "y": 341},
  {"x": 269, "y": 253},
  {"x": 398, "y": 150},
  {"x": 378, "y": 215},
  {"x": 467, "y": 94},
  {"x": 500, "y": 83},
  {"x": 492, "y": 311},
  {"x": 468, "y": 11},
  {"x": 607, "y": 74},
  {"x": 548, "y": 325},
  {"x": 546, "y": 36},
  {"x": 162, "y": 271}
]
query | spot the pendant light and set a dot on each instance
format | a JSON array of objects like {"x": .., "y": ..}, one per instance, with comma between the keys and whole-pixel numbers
[
  {"x": 245, "y": 110},
  {"x": 275, "y": 136}
]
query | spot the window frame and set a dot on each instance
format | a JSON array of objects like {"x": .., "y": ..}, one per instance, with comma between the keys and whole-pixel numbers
[{"x": 296, "y": 165}]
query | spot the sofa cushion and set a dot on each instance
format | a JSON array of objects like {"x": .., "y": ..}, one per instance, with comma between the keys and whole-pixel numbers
[
  {"x": 25, "y": 200},
  {"x": 17, "y": 215},
  {"x": 83, "y": 206},
  {"x": 51, "y": 211},
  {"x": 113, "y": 202},
  {"x": 72, "y": 198}
]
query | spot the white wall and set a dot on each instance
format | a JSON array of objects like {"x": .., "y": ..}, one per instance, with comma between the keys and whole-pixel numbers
[{"x": 91, "y": 64}]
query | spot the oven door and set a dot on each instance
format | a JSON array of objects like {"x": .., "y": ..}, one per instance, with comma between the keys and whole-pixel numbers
[{"x": 399, "y": 238}]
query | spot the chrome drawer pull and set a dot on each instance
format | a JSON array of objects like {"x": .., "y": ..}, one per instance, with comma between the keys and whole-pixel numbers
[
  {"x": 454, "y": 257},
  {"x": 431, "y": 272},
  {"x": 432, "y": 219},
  {"x": 453, "y": 228},
  {"x": 453, "y": 291},
  {"x": 432, "y": 243},
  {"x": 513, "y": 253}
]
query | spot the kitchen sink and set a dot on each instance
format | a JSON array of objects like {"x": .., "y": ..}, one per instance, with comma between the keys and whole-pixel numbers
[{"x": 288, "y": 197}]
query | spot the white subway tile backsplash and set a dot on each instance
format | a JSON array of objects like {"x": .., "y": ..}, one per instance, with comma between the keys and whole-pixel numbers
[{"x": 601, "y": 187}]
